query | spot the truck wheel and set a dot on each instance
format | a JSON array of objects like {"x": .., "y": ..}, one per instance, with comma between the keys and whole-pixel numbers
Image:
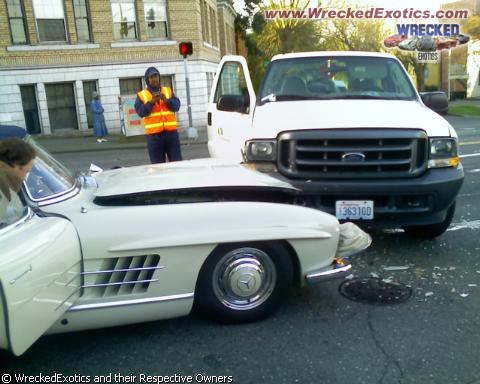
[
  {"x": 433, "y": 230},
  {"x": 244, "y": 282}
]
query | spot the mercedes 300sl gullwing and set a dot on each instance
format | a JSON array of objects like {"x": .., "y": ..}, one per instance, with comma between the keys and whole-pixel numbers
[{"x": 150, "y": 242}]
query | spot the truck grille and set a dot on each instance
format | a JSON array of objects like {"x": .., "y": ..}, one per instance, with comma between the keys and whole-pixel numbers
[{"x": 352, "y": 153}]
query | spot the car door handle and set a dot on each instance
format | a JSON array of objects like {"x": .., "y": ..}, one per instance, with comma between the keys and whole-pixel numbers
[
  {"x": 209, "y": 118},
  {"x": 220, "y": 131},
  {"x": 14, "y": 280}
]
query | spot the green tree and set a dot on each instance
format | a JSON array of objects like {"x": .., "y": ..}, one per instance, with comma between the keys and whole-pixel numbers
[
  {"x": 472, "y": 27},
  {"x": 287, "y": 35},
  {"x": 413, "y": 66},
  {"x": 352, "y": 35}
]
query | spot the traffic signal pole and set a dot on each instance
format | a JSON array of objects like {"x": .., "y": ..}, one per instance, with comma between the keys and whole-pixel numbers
[{"x": 187, "y": 83}]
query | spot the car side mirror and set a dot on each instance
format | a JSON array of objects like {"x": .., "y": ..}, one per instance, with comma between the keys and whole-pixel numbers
[
  {"x": 233, "y": 103},
  {"x": 437, "y": 101}
]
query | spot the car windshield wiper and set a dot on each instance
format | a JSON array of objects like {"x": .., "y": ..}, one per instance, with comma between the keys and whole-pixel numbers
[
  {"x": 270, "y": 97},
  {"x": 300, "y": 97},
  {"x": 274, "y": 97},
  {"x": 365, "y": 97}
]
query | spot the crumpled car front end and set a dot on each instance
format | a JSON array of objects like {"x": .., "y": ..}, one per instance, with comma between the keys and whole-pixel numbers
[{"x": 352, "y": 241}]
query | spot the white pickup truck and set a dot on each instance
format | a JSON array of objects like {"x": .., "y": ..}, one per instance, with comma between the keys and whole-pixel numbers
[{"x": 348, "y": 129}]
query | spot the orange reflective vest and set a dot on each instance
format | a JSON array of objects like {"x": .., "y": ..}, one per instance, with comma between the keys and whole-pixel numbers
[{"x": 161, "y": 118}]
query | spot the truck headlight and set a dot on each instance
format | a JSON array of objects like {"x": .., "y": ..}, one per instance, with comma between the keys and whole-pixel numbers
[
  {"x": 443, "y": 153},
  {"x": 261, "y": 150}
]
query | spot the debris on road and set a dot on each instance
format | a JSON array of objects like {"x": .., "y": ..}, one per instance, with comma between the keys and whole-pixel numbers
[{"x": 396, "y": 268}]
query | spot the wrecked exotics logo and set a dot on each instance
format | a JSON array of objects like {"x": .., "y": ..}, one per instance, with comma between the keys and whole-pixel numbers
[{"x": 427, "y": 39}]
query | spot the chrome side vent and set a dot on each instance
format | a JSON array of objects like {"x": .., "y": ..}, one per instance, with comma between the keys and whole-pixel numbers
[{"x": 122, "y": 276}]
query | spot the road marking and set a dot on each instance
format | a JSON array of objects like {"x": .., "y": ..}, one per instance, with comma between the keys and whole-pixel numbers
[
  {"x": 464, "y": 224},
  {"x": 470, "y": 155},
  {"x": 474, "y": 171},
  {"x": 475, "y": 224},
  {"x": 470, "y": 142}
]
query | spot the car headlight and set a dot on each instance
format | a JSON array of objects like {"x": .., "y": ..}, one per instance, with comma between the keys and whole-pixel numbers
[
  {"x": 261, "y": 150},
  {"x": 443, "y": 153}
]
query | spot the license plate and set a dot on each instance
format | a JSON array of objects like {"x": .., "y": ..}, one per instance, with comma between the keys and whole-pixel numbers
[{"x": 354, "y": 209}]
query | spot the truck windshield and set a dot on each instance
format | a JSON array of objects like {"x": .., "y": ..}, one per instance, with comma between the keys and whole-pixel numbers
[{"x": 336, "y": 77}]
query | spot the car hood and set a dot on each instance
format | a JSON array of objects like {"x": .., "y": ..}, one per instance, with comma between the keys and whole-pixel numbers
[
  {"x": 274, "y": 117},
  {"x": 182, "y": 175}
]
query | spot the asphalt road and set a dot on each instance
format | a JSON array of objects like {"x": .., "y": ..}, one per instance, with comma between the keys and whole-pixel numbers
[{"x": 318, "y": 336}]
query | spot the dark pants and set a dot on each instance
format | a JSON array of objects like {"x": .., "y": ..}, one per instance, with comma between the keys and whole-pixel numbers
[{"x": 164, "y": 143}]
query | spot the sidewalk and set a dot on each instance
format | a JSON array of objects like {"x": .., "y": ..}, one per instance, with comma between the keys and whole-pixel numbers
[
  {"x": 472, "y": 102},
  {"x": 76, "y": 141}
]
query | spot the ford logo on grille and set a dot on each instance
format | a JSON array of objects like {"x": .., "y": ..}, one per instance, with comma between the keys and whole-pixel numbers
[{"x": 354, "y": 157}]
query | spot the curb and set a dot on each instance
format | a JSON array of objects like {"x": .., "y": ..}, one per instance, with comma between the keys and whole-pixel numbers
[{"x": 87, "y": 143}]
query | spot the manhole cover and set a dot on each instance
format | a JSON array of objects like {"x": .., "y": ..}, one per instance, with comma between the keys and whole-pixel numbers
[{"x": 374, "y": 291}]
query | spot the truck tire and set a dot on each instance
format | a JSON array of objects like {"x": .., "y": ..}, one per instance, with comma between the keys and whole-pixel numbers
[
  {"x": 431, "y": 231},
  {"x": 244, "y": 282}
]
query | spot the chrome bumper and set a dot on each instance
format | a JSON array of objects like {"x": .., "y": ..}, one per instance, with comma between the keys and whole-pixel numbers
[{"x": 338, "y": 269}]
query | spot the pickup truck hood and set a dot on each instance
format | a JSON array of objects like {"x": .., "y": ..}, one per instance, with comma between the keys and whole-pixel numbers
[
  {"x": 183, "y": 175},
  {"x": 274, "y": 117}
]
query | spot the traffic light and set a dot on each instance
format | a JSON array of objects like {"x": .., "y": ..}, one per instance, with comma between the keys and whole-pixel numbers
[{"x": 185, "y": 48}]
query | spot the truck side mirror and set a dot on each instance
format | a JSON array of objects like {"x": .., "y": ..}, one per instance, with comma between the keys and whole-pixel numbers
[
  {"x": 437, "y": 101},
  {"x": 233, "y": 103}
]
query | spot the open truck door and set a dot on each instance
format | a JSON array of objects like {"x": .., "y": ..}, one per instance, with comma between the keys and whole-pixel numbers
[{"x": 230, "y": 109}]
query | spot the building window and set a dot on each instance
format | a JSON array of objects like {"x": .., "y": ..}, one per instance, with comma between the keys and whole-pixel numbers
[
  {"x": 61, "y": 106},
  {"x": 210, "y": 76},
  {"x": 16, "y": 21},
  {"x": 206, "y": 29},
  {"x": 50, "y": 18},
  {"x": 204, "y": 21},
  {"x": 81, "y": 21},
  {"x": 30, "y": 108},
  {"x": 124, "y": 20},
  {"x": 213, "y": 23},
  {"x": 156, "y": 19},
  {"x": 88, "y": 88},
  {"x": 166, "y": 81},
  {"x": 131, "y": 86}
]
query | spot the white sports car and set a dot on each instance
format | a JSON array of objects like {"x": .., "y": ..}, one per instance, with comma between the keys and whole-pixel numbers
[{"x": 150, "y": 242}]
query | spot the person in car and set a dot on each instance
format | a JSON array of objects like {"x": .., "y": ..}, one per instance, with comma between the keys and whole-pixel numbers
[
  {"x": 157, "y": 106},
  {"x": 16, "y": 160}
]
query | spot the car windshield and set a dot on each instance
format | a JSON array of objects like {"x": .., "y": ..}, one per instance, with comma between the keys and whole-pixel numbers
[
  {"x": 48, "y": 177},
  {"x": 336, "y": 77}
]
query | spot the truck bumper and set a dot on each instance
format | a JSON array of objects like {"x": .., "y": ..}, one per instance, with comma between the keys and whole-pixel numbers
[{"x": 410, "y": 201}]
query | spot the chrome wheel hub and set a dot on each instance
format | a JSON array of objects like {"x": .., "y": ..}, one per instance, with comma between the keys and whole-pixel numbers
[{"x": 244, "y": 278}]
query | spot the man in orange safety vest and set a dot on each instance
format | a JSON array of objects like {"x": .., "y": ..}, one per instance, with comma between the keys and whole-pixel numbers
[{"x": 157, "y": 106}]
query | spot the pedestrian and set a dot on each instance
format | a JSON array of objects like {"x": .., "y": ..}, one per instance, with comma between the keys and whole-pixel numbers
[
  {"x": 157, "y": 106},
  {"x": 16, "y": 160},
  {"x": 99, "y": 127}
]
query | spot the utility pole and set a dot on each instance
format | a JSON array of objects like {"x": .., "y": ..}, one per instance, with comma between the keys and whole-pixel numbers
[{"x": 186, "y": 50}]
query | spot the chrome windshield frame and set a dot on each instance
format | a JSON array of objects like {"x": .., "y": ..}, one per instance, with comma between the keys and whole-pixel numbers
[{"x": 56, "y": 197}]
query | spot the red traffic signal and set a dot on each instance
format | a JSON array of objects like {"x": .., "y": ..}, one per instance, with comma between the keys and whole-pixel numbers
[{"x": 185, "y": 48}]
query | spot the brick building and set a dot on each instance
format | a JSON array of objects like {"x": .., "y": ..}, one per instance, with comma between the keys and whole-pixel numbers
[{"x": 55, "y": 53}]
